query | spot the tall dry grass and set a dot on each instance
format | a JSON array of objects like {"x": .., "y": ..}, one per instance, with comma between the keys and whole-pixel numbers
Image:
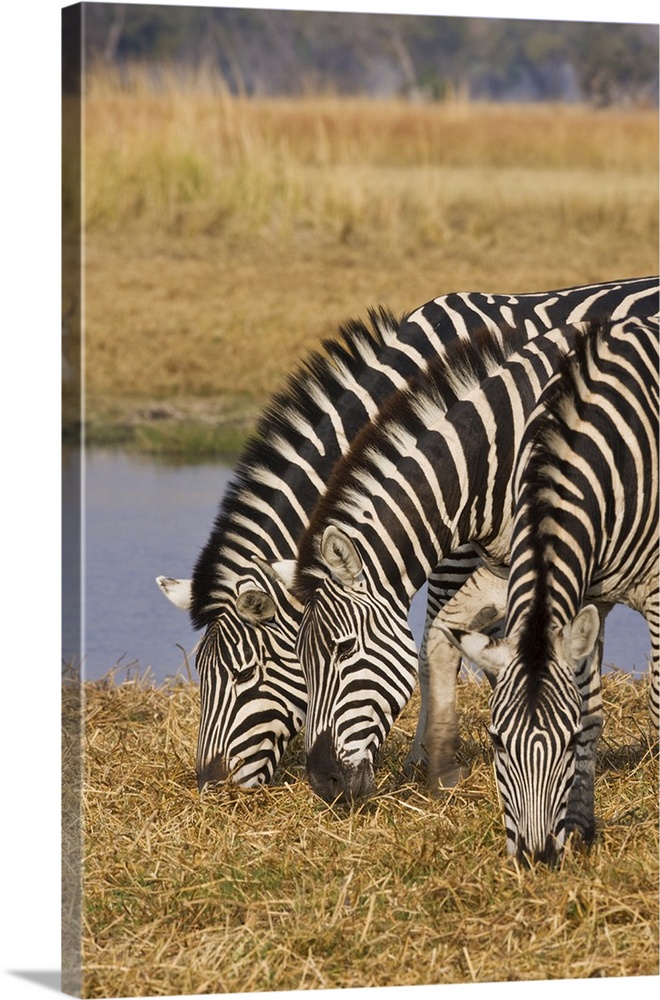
[
  {"x": 227, "y": 236},
  {"x": 236, "y": 890},
  {"x": 192, "y": 161}
]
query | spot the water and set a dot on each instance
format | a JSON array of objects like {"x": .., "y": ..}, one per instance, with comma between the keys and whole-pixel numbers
[{"x": 142, "y": 519}]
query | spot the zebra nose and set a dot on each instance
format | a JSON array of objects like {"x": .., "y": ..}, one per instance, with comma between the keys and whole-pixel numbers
[
  {"x": 215, "y": 770},
  {"x": 333, "y": 780},
  {"x": 323, "y": 769},
  {"x": 330, "y": 786},
  {"x": 547, "y": 855}
]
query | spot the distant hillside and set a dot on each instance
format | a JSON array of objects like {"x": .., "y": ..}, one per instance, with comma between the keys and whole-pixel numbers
[{"x": 277, "y": 53}]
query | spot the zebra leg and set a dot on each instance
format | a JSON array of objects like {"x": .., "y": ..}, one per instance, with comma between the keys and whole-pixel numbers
[
  {"x": 443, "y": 583},
  {"x": 479, "y": 604},
  {"x": 580, "y": 812},
  {"x": 652, "y": 615},
  {"x": 416, "y": 757}
]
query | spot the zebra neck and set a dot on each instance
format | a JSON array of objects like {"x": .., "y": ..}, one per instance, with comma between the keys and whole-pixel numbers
[
  {"x": 409, "y": 517},
  {"x": 552, "y": 559},
  {"x": 414, "y": 496}
]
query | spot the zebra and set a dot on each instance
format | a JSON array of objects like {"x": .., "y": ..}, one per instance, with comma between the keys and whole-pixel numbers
[
  {"x": 253, "y": 697},
  {"x": 394, "y": 506},
  {"x": 584, "y": 537},
  {"x": 432, "y": 473}
]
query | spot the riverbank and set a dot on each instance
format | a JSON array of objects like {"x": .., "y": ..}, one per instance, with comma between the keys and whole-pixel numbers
[
  {"x": 183, "y": 431},
  {"x": 234, "y": 891}
]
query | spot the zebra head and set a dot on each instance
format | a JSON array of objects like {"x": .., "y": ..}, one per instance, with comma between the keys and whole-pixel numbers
[
  {"x": 536, "y": 727},
  {"x": 252, "y": 693},
  {"x": 359, "y": 661}
]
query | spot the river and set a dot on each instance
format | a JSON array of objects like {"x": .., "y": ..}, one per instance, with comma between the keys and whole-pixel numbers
[{"x": 143, "y": 518}]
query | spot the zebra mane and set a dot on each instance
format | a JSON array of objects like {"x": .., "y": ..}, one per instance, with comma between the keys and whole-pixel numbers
[
  {"x": 307, "y": 395},
  {"x": 534, "y": 645},
  {"x": 407, "y": 413},
  {"x": 550, "y": 426}
]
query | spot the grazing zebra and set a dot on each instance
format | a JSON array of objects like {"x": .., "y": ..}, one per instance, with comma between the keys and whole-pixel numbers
[
  {"x": 585, "y": 529},
  {"x": 252, "y": 691},
  {"x": 421, "y": 480}
]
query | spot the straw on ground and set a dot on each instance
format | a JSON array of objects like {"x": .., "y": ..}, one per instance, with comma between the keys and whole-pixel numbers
[{"x": 270, "y": 889}]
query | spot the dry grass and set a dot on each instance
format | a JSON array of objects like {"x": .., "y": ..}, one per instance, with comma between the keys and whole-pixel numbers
[
  {"x": 191, "y": 160},
  {"x": 264, "y": 890},
  {"x": 225, "y": 237}
]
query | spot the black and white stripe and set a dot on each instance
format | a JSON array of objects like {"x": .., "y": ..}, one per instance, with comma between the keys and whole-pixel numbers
[
  {"x": 585, "y": 537},
  {"x": 253, "y": 696},
  {"x": 431, "y": 474}
]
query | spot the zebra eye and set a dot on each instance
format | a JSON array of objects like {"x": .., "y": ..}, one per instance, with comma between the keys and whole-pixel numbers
[
  {"x": 242, "y": 676},
  {"x": 496, "y": 739},
  {"x": 345, "y": 647}
]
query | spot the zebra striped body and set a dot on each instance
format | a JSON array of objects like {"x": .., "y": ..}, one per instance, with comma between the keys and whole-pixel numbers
[
  {"x": 252, "y": 691},
  {"x": 422, "y": 480},
  {"x": 585, "y": 529}
]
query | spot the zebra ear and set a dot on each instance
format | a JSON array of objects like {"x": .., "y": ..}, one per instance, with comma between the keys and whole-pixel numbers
[
  {"x": 490, "y": 655},
  {"x": 179, "y": 592},
  {"x": 281, "y": 570},
  {"x": 340, "y": 555},
  {"x": 255, "y": 606},
  {"x": 581, "y": 635}
]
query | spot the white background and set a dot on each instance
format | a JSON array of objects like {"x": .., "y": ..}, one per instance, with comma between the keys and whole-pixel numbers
[{"x": 30, "y": 594}]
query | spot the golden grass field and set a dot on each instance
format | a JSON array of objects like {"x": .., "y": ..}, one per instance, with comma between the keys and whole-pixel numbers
[
  {"x": 271, "y": 889},
  {"x": 225, "y": 237}
]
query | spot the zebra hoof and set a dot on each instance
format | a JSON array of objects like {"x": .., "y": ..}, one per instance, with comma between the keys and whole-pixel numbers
[
  {"x": 581, "y": 835},
  {"x": 448, "y": 779},
  {"x": 414, "y": 770}
]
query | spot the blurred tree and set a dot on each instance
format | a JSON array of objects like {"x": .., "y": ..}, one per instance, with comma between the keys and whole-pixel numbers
[
  {"x": 293, "y": 52},
  {"x": 619, "y": 65}
]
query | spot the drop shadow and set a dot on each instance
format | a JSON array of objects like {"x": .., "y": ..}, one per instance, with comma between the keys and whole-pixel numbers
[{"x": 50, "y": 980}]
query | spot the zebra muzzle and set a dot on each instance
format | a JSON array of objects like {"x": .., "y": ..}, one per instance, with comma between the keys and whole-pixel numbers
[
  {"x": 216, "y": 770},
  {"x": 337, "y": 781},
  {"x": 549, "y": 854}
]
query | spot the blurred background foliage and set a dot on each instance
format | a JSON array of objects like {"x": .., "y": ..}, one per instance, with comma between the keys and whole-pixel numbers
[{"x": 297, "y": 53}]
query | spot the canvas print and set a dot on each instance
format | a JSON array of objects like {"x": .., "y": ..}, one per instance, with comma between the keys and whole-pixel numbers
[{"x": 360, "y": 500}]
